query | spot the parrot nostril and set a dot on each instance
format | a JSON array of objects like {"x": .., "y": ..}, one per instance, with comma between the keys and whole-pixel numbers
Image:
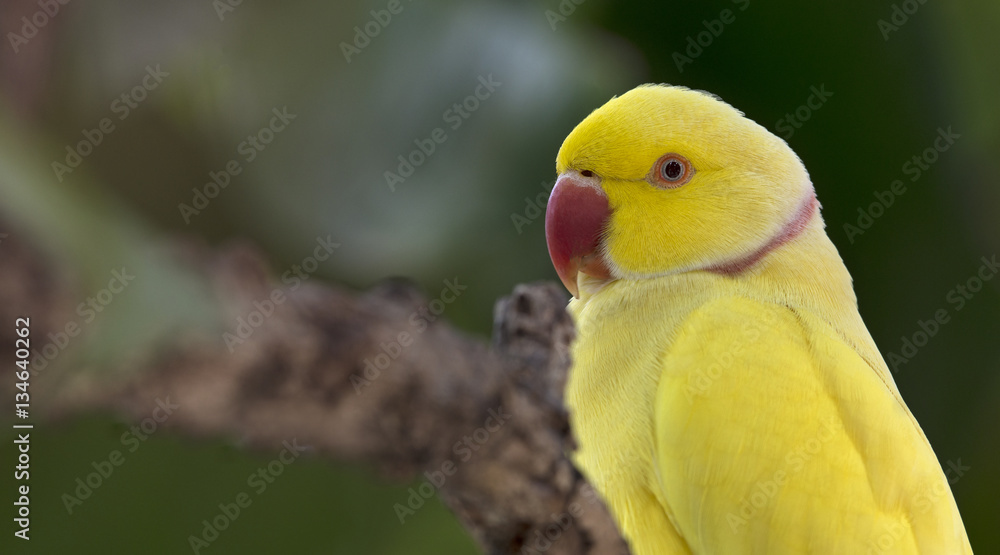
[{"x": 587, "y": 173}]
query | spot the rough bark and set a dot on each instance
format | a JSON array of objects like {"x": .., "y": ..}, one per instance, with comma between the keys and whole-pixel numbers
[{"x": 485, "y": 426}]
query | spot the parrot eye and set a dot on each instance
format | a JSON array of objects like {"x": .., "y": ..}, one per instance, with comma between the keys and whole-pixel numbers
[{"x": 671, "y": 171}]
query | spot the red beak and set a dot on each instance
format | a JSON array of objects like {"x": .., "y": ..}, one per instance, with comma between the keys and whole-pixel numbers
[{"x": 575, "y": 219}]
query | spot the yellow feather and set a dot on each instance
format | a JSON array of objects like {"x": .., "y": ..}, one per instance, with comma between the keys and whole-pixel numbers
[{"x": 743, "y": 411}]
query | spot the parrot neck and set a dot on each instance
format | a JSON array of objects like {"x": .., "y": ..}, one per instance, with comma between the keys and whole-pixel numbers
[
  {"x": 806, "y": 272},
  {"x": 807, "y": 211},
  {"x": 800, "y": 264},
  {"x": 810, "y": 262},
  {"x": 800, "y": 268}
]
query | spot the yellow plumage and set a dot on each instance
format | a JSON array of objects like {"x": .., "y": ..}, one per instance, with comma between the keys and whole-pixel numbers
[{"x": 725, "y": 393}]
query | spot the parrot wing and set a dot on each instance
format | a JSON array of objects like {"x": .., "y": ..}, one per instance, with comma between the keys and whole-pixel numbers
[{"x": 773, "y": 435}]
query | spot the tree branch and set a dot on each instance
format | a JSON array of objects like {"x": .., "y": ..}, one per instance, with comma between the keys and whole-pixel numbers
[{"x": 370, "y": 380}]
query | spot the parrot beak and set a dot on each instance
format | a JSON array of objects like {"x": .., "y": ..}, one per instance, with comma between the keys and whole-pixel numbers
[{"x": 575, "y": 219}]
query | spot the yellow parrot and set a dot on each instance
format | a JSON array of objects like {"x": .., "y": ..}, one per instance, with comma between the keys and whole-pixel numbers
[{"x": 725, "y": 393}]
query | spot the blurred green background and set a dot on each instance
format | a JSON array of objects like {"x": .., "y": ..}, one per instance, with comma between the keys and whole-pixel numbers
[{"x": 468, "y": 210}]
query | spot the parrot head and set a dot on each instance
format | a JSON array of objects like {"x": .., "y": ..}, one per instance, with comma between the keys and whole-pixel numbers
[{"x": 663, "y": 180}]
